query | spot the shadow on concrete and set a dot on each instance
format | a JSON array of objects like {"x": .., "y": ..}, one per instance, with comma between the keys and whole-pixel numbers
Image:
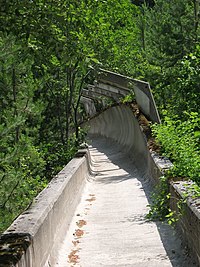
[{"x": 170, "y": 239}]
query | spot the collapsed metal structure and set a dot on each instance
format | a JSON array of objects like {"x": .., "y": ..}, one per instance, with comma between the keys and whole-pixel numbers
[{"x": 115, "y": 86}]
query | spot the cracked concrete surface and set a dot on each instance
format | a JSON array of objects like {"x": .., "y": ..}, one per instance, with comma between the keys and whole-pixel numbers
[{"x": 109, "y": 226}]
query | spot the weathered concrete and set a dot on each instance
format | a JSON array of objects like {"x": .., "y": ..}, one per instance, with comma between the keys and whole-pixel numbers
[
  {"x": 88, "y": 106},
  {"x": 48, "y": 218},
  {"x": 93, "y": 94},
  {"x": 115, "y": 94},
  {"x": 102, "y": 87},
  {"x": 119, "y": 124},
  {"x": 189, "y": 216},
  {"x": 109, "y": 226}
]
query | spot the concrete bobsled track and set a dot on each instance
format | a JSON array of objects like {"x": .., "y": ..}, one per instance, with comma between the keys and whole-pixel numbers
[
  {"x": 93, "y": 212},
  {"x": 109, "y": 226}
]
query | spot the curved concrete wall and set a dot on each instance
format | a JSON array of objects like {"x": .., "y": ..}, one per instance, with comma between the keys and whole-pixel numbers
[{"x": 120, "y": 124}]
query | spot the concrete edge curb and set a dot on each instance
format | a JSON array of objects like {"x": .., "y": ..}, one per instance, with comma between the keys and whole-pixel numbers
[
  {"x": 188, "y": 224},
  {"x": 31, "y": 238}
]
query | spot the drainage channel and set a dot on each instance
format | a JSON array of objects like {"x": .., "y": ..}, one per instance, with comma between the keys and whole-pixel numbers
[{"x": 109, "y": 226}]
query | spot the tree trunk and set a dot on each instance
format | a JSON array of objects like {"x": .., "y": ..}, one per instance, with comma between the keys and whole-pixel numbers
[
  {"x": 196, "y": 18},
  {"x": 14, "y": 88}
]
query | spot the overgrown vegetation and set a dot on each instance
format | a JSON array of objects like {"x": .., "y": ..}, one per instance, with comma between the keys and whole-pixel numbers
[
  {"x": 159, "y": 207},
  {"x": 48, "y": 49},
  {"x": 179, "y": 140}
]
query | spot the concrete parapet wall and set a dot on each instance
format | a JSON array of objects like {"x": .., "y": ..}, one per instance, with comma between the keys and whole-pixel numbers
[
  {"x": 34, "y": 235},
  {"x": 189, "y": 221},
  {"x": 187, "y": 210}
]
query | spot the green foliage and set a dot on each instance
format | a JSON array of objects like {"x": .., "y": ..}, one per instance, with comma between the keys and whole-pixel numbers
[
  {"x": 170, "y": 31},
  {"x": 21, "y": 163},
  {"x": 57, "y": 155},
  {"x": 180, "y": 142},
  {"x": 185, "y": 86},
  {"x": 20, "y": 181},
  {"x": 176, "y": 88},
  {"x": 169, "y": 34},
  {"x": 159, "y": 206},
  {"x": 114, "y": 35},
  {"x": 129, "y": 98}
]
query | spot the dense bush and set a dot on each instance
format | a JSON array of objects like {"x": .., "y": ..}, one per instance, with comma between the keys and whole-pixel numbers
[{"x": 180, "y": 141}]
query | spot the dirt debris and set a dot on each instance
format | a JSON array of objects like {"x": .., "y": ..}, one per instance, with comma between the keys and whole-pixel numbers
[{"x": 91, "y": 199}]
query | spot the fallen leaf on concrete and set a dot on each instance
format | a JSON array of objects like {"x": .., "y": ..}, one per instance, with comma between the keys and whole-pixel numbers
[
  {"x": 79, "y": 232},
  {"x": 81, "y": 223},
  {"x": 73, "y": 258}
]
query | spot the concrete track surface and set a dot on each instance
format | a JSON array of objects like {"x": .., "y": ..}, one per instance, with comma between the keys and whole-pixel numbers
[{"x": 109, "y": 226}]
